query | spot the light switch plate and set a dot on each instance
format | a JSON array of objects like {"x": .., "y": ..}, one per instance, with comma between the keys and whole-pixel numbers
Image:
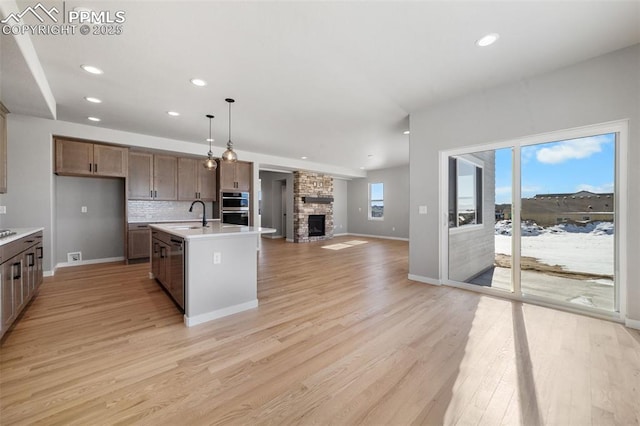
[
  {"x": 422, "y": 209},
  {"x": 83, "y": 209},
  {"x": 3, "y": 209},
  {"x": 217, "y": 258}
]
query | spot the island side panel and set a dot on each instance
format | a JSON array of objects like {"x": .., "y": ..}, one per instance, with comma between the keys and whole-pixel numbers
[{"x": 216, "y": 290}]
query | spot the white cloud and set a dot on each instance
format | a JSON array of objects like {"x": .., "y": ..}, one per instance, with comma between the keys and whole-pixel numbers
[
  {"x": 573, "y": 149},
  {"x": 503, "y": 190},
  {"x": 598, "y": 189}
]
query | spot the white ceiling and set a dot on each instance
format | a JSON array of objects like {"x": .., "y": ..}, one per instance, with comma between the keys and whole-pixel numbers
[{"x": 333, "y": 81}]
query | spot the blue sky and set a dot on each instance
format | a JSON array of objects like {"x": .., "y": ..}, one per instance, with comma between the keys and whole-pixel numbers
[{"x": 559, "y": 167}]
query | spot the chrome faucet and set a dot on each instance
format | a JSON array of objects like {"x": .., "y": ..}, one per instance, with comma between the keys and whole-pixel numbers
[{"x": 204, "y": 211}]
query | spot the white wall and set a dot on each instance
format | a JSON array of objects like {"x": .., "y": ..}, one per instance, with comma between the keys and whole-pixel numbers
[
  {"x": 340, "y": 206},
  {"x": 396, "y": 203},
  {"x": 599, "y": 90}
]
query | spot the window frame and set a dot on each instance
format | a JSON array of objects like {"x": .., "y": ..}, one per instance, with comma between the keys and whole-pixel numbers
[
  {"x": 478, "y": 194},
  {"x": 371, "y": 200}
]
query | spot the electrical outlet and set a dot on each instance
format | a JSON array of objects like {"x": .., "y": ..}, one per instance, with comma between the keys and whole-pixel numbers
[
  {"x": 3, "y": 209},
  {"x": 422, "y": 209},
  {"x": 393, "y": 228},
  {"x": 83, "y": 209},
  {"x": 217, "y": 258}
]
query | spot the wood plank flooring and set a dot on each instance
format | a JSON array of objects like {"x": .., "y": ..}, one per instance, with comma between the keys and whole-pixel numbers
[{"x": 340, "y": 337}]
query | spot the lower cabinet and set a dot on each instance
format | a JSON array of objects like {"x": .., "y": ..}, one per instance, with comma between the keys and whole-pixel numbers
[
  {"x": 21, "y": 275},
  {"x": 138, "y": 241},
  {"x": 167, "y": 264}
]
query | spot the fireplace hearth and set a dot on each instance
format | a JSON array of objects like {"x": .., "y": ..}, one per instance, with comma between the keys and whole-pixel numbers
[{"x": 316, "y": 225}]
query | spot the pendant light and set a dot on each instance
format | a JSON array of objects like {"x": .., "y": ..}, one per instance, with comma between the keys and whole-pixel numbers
[
  {"x": 229, "y": 154},
  {"x": 210, "y": 163}
]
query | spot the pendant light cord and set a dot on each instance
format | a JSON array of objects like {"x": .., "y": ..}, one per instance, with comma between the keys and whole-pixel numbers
[
  {"x": 210, "y": 134},
  {"x": 229, "y": 121}
]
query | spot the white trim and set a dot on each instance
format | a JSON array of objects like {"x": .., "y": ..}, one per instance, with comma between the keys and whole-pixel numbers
[
  {"x": 289, "y": 240},
  {"x": 622, "y": 216},
  {"x": 89, "y": 262},
  {"x": 48, "y": 273},
  {"x": 219, "y": 313},
  {"x": 341, "y": 235},
  {"x": 630, "y": 323},
  {"x": 271, "y": 236},
  {"x": 384, "y": 237},
  {"x": 425, "y": 280}
]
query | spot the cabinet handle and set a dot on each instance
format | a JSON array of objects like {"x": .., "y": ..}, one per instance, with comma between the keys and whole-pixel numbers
[
  {"x": 19, "y": 274},
  {"x": 90, "y": 167},
  {"x": 95, "y": 167},
  {"x": 32, "y": 260},
  {"x": 41, "y": 255},
  {"x": 162, "y": 252},
  {"x": 155, "y": 194},
  {"x": 150, "y": 194},
  {"x": 29, "y": 241}
]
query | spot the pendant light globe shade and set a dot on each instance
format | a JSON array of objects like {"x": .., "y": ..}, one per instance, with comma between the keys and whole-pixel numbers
[
  {"x": 210, "y": 162},
  {"x": 229, "y": 155}
]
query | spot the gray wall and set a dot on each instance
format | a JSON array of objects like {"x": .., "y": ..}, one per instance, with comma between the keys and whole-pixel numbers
[
  {"x": 99, "y": 233},
  {"x": 396, "y": 203},
  {"x": 602, "y": 89},
  {"x": 272, "y": 201},
  {"x": 340, "y": 206}
]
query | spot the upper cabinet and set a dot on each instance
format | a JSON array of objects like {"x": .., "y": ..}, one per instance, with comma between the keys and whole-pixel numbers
[
  {"x": 3, "y": 148},
  {"x": 194, "y": 181},
  {"x": 152, "y": 176},
  {"x": 235, "y": 175},
  {"x": 77, "y": 158}
]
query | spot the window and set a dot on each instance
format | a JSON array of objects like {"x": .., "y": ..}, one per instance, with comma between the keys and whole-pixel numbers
[
  {"x": 376, "y": 201},
  {"x": 465, "y": 193}
]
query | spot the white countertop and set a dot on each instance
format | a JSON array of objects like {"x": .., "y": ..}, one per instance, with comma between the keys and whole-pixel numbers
[
  {"x": 214, "y": 229},
  {"x": 19, "y": 233},
  {"x": 149, "y": 221}
]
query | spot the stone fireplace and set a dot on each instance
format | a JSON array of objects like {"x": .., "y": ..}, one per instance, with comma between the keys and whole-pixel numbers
[{"x": 312, "y": 207}]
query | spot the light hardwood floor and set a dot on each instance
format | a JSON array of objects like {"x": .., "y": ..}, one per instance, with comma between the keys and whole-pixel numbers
[{"x": 340, "y": 337}]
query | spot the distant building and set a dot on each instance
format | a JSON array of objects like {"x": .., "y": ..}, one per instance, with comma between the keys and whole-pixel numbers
[{"x": 580, "y": 207}]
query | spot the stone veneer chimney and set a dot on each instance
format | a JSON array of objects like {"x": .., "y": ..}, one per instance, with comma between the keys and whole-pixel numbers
[{"x": 311, "y": 185}]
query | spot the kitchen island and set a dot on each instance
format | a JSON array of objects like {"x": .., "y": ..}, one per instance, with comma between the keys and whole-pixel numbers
[{"x": 210, "y": 272}]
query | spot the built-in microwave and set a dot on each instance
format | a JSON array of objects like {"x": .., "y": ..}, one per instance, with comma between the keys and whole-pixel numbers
[{"x": 235, "y": 201}]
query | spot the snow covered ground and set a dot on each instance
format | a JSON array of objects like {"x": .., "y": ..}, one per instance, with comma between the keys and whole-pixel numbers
[{"x": 587, "y": 248}]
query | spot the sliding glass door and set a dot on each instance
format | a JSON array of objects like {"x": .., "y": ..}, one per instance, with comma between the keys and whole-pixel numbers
[{"x": 557, "y": 243}]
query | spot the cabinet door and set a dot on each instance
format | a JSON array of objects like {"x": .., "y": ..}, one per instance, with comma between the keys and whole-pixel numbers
[
  {"x": 110, "y": 160},
  {"x": 244, "y": 176},
  {"x": 39, "y": 260},
  {"x": 207, "y": 190},
  {"x": 139, "y": 247},
  {"x": 227, "y": 175},
  {"x": 7, "y": 294},
  {"x": 74, "y": 158},
  {"x": 165, "y": 177},
  {"x": 140, "y": 179},
  {"x": 155, "y": 258},
  {"x": 187, "y": 179},
  {"x": 16, "y": 277}
]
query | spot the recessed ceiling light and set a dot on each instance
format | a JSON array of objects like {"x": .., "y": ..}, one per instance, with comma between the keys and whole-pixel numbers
[
  {"x": 209, "y": 139},
  {"x": 370, "y": 155},
  {"x": 173, "y": 113},
  {"x": 93, "y": 118},
  {"x": 304, "y": 158},
  {"x": 198, "y": 82},
  {"x": 93, "y": 100},
  {"x": 488, "y": 40},
  {"x": 406, "y": 132},
  {"x": 361, "y": 168},
  {"x": 91, "y": 69}
]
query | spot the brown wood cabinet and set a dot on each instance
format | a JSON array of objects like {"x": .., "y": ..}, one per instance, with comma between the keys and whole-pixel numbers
[
  {"x": 20, "y": 276},
  {"x": 152, "y": 176},
  {"x": 79, "y": 158},
  {"x": 194, "y": 181},
  {"x": 235, "y": 176},
  {"x": 3, "y": 149},
  {"x": 139, "y": 241}
]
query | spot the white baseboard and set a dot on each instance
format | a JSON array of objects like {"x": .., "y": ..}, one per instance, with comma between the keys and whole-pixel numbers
[
  {"x": 426, "y": 280},
  {"x": 88, "y": 262},
  {"x": 47, "y": 273},
  {"x": 341, "y": 235},
  {"x": 289, "y": 240},
  {"x": 630, "y": 323},
  {"x": 219, "y": 313},
  {"x": 377, "y": 236}
]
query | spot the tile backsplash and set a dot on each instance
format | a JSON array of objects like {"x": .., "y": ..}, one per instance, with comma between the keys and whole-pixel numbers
[{"x": 149, "y": 211}]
